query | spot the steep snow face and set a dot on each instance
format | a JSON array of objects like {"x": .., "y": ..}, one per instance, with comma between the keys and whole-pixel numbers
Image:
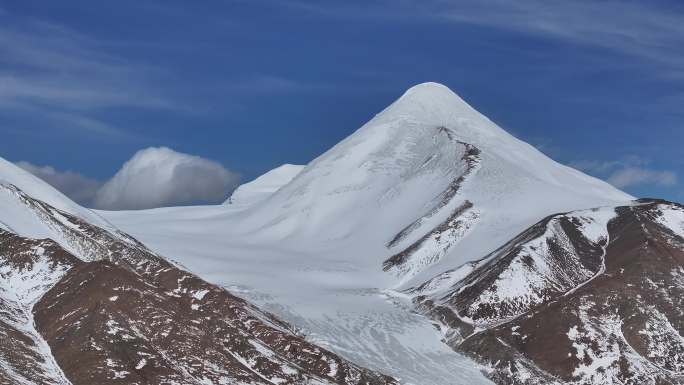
[
  {"x": 396, "y": 168},
  {"x": 410, "y": 168},
  {"x": 265, "y": 185}
]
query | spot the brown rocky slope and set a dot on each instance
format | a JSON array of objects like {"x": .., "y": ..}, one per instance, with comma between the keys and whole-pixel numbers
[
  {"x": 124, "y": 315},
  {"x": 590, "y": 297}
]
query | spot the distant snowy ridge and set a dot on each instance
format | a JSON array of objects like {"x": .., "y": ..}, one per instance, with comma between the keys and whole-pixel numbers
[{"x": 265, "y": 185}]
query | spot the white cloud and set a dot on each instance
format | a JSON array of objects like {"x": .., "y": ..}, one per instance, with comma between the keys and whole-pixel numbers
[
  {"x": 636, "y": 175},
  {"x": 76, "y": 186},
  {"x": 159, "y": 176}
]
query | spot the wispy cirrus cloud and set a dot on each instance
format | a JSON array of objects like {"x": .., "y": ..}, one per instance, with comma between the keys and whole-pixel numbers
[
  {"x": 51, "y": 64},
  {"x": 651, "y": 31},
  {"x": 53, "y": 72},
  {"x": 270, "y": 84}
]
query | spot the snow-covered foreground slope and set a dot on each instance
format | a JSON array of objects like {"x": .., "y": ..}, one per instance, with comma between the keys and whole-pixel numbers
[
  {"x": 326, "y": 297},
  {"x": 92, "y": 305},
  {"x": 424, "y": 187},
  {"x": 586, "y": 297}
]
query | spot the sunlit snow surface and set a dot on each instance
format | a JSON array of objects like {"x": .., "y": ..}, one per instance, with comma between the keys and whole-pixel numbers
[
  {"x": 312, "y": 250},
  {"x": 332, "y": 301}
]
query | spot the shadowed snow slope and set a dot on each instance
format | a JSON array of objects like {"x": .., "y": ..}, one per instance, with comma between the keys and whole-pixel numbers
[{"x": 425, "y": 186}]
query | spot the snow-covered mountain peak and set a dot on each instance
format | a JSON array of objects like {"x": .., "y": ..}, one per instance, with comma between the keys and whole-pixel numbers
[
  {"x": 432, "y": 96},
  {"x": 437, "y": 105},
  {"x": 428, "y": 179},
  {"x": 429, "y": 99},
  {"x": 433, "y": 112},
  {"x": 431, "y": 195}
]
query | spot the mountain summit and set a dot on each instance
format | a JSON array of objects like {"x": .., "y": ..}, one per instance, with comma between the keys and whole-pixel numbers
[{"x": 426, "y": 160}]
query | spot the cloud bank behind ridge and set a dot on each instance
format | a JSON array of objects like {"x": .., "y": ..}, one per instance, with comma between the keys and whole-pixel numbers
[
  {"x": 153, "y": 177},
  {"x": 79, "y": 188}
]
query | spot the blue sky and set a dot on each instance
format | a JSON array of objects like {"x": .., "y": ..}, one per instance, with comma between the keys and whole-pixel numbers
[{"x": 253, "y": 84}]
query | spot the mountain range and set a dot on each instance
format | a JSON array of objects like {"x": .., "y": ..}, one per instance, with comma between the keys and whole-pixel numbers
[{"x": 430, "y": 247}]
